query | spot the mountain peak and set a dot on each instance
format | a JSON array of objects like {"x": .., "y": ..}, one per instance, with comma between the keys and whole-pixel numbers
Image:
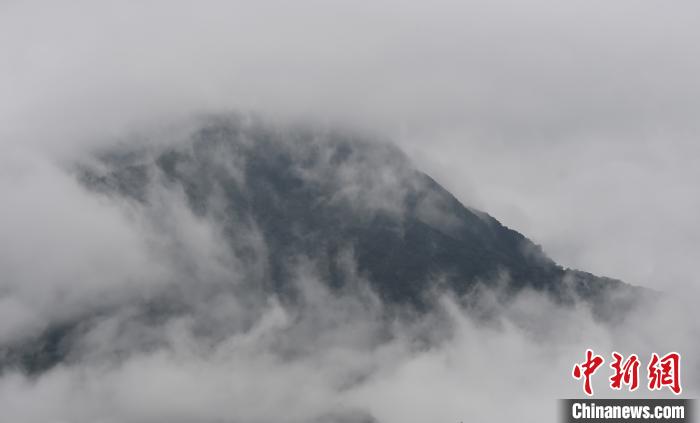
[{"x": 315, "y": 193}]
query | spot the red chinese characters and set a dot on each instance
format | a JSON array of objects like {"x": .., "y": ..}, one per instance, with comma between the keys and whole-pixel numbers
[
  {"x": 593, "y": 361},
  {"x": 665, "y": 371},
  {"x": 662, "y": 371},
  {"x": 627, "y": 372}
]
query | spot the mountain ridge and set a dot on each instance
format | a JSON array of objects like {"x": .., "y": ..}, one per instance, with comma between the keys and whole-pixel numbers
[{"x": 357, "y": 208}]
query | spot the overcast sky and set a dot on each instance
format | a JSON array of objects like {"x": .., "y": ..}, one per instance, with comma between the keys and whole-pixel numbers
[{"x": 574, "y": 122}]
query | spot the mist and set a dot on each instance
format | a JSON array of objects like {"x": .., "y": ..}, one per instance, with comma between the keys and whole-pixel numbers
[{"x": 574, "y": 124}]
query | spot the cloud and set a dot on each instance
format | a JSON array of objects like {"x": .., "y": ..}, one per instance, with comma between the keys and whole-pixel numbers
[
  {"x": 558, "y": 119},
  {"x": 188, "y": 335},
  {"x": 574, "y": 124},
  {"x": 334, "y": 358},
  {"x": 61, "y": 246}
]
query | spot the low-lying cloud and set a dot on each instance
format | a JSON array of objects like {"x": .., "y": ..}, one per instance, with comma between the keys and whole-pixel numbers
[
  {"x": 574, "y": 123},
  {"x": 176, "y": 327}
]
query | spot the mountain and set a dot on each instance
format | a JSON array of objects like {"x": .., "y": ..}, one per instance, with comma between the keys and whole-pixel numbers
[{"x": 355, "y": 208}]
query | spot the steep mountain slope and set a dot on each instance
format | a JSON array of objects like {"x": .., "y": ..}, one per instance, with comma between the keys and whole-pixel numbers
[
  {"x": 316, "y": 194},
  {"x": 356, "y": 209}
]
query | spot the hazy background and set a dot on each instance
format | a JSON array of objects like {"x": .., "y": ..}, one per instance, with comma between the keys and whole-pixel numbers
[{"x": 575, "y": 123}]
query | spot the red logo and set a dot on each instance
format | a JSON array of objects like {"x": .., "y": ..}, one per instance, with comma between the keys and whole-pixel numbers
[
  {"x": 665, "y": 371},
  {"x": 627, "y": 372},
  {"x": 662, "y": 371},
  {"x": 589, "y": 368}
]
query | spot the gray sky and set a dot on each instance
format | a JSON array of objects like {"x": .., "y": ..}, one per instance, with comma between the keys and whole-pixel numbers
[{"x": 575, "y": 123}]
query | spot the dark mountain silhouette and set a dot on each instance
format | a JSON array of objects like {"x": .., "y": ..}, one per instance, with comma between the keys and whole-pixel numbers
[{"x": 331, "y": 197}]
